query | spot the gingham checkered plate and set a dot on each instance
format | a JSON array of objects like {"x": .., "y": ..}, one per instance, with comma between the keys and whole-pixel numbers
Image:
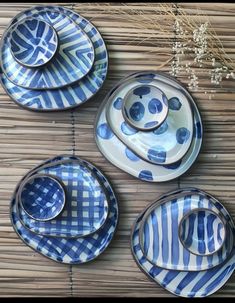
[
  {"x": 70, "y": 250},
  {"x": 86, "y": 207}
]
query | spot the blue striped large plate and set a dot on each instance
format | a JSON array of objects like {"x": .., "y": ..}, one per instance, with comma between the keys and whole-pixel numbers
[
  {"x": 73, "y": 250},
  {"x": 183, "y": 283},
  {"x": 72, "y": 62},
  {"x": 122, "y": 157},
  {"x": 159, "y": 238},
  {"x": 72, "y": 95}
]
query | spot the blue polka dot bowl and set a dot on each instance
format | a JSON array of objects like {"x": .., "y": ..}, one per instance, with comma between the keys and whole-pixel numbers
[
  {"x": 33, "y": 42},
  {"x": 145, "y": 107},
  {"x": 202, "y": 231},
  {"x": 42, "y": 197}
]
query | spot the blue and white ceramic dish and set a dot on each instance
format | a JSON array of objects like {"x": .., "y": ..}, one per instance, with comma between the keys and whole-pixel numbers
[
  {"x": 145, "y": 107},
  {"x": 33, "y": 42},
  {"x": 159, "y": 234},
  {"x": 67, "y": 250},
  {"x": 202, "y": 232},
  {"x": 42, "y": 197},
  {"x": 183, "y": 283},
  {"x": 168, "y": 143},
  {"x": 70, "y": 96},
  {"x": 72, "y": 62},
  {"x": 86, "y": 209},
  {"x": 122, "y": 157}
]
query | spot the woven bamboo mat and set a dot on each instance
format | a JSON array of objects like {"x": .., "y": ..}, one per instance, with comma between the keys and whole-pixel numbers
[{"x": 27, "y": 138}]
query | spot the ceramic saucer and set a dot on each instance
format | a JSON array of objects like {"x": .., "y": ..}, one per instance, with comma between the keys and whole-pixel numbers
[
  {"x": 122, "y": 157},
  {"x": 159, "y": 238},
  {"x": 72, "y": 62},
  {"x": 86, "y": 209},
  {"x": 165, "y": 145},
  {"x": 183, "y": 283},
  {"x": 33, "y": 42},
  {"x": 65, "y": 250},
  {"x": 70, "y": 96}
]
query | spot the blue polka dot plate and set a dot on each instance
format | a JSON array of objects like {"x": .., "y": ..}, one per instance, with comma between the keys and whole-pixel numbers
[
  {"x": 127, "y": 160},
  {"x": 168, "y": 143},
  {"x": 33, "y": 42},
  {"x": 42, "y": 197},
  {"x": 145, "y": 107},
  {"x": 70, "y": 250},
  {"x": 86, "y": 209},
  {"x": 183, "y": 283},
  {"x": 72, "y": 62},
  {"x": 160, "y": 238},
  {"x": 69, "y": 96}
]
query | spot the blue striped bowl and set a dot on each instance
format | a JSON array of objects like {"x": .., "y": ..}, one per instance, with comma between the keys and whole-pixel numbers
[
  {"x": 33, "y": 42},
  {"x": 202, "y": 231}
]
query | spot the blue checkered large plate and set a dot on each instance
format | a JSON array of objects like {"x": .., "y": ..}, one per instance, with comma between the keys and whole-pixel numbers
[
  {"x": 86, "y": 207},
  {"x": 70, "y": 250}
]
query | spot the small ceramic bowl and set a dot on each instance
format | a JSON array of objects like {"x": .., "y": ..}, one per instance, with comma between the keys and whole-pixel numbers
[
  {"x": 202, "y": 231},
  {"x": 42, "y": 197},
  {"x": 145, "y": 107},
  {"x": 33, "y": 42}
]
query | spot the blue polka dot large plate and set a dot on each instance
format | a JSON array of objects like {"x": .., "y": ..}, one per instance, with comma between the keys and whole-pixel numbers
[
  {"x": 86, "y": 208},
  {"x": 182, "y": 283},
  {"x": 73, "y": 60},
  {"x": 70, "y": 250},
  {"x": 72, "y": 95},
  {"x": 121, "y": 156},
  {"x": 159, "y": 233},
  {"x": 168, "y": 143}
]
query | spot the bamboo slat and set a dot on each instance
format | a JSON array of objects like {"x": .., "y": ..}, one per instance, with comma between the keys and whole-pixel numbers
[{"x": 27, "y": 138}]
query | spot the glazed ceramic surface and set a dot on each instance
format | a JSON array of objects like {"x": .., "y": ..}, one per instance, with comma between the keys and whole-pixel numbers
[
  {"x": 168, "y": 143},
  {"x": 42, "y": 197},
  {"x": 33, "y": 42},
  {"x": 202, "y": 232},
  {"x": 145, "y": 107},
  {"x": 67, "y": 250},
  {"x": 184, "y": 283},
  {"x": 159, "y": 234},
  {"x": 72, "y": 62},
  {"x": 121, "y": 156},
  {"x": 72, "y": 95},
  {"x": 86, "y": 208}
]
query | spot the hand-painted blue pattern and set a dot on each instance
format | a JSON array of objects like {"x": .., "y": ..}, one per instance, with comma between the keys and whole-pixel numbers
[
  {"x": 127, "y": 129},
  {"x": 157, "y": 154},
  {"x": 204, "y": 283},
  {"x": 161, "y": 129},
  {"x": 174, "y": 103},
  {"x": 33, "y": 42},
  {"x": 42, "y": 198},
  {"x": 182, "y": 135},
  {"x": 73, "y": 61},
  {"x": 114, "y": 149},
  {"x": 73, "y": 251},
  {"x": 202, "y": 232},
  {"x": 104, "y": 131},
  {"x": 161, "y": 243},
  {"x": 86, "y": 208},
  {"x": 144, "y": 107},
  {"x": 183, "y": 283},
  {"x": 69, "y": 96},
  {"x": 118, "y": 103},
  {"x": 132, "y": 156}
]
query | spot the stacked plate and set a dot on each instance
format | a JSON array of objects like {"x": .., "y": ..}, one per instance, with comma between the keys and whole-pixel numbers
[
  {"x": 150, "y": 127},
  {"x": 65, "y": 209},
  {"x": 52, "y": 59},
  {"x": 184, "y": 241}
]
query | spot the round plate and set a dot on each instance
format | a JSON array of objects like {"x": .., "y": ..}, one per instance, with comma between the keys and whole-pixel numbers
[
  {"x": 165, "y": 145},
  {"x": 160, "y": 225},
  {"x": 33, "y": 42},
  {"x": 122, "y": 157},
  {"x": 86, "y": 208},
  {"x": 72, "y": 62},
  {"x": 71, "y": 251},
  {"x": 183, "y": 283},
  {"x": 70, "y": 96}
]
